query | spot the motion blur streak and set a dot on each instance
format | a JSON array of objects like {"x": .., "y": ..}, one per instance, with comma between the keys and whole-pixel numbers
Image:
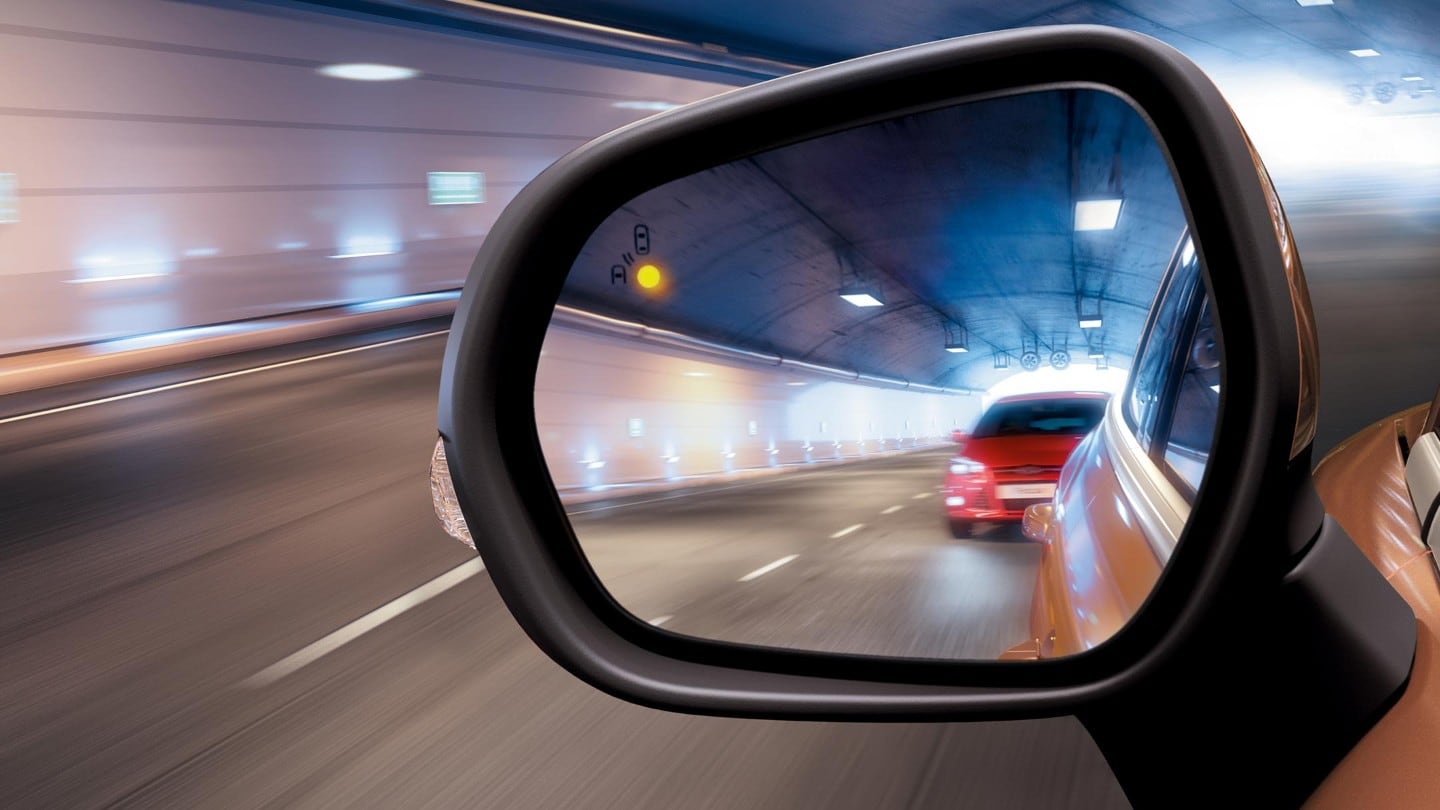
[
  {"x": 160, "y": 550},
  {"x": 180, "y": 164}
]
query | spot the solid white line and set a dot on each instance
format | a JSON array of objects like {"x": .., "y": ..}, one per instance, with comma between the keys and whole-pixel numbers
[
  {"x": 922, "y": 496},
  {"x": 765, "y": 569},
  {"x": 659, "y": 620},
  {"x": 848, "y": 529},
  {"x": 98, "y": 279},
  {"x": 215, "y": 377},
  {"x": 365, "y": 624},
  {"x": 892, "y": 510}
]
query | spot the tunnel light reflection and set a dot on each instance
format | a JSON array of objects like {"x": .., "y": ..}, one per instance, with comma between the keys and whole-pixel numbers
[
  {"x": 97, "y": 268},
  {"x": 1364, "y": 53},
  {"x": 368, "y": 72},
  {"x": 651, "y": 106},
  {"x": 366, "y": 246}
]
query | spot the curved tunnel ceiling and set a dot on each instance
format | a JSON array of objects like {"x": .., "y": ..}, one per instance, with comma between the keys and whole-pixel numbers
[{"x": 964, "y": 218}]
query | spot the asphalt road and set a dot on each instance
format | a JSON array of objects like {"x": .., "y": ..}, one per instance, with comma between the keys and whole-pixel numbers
[
  {"x": 855, "y": 557},
  {"x": 174, "y": 570}
]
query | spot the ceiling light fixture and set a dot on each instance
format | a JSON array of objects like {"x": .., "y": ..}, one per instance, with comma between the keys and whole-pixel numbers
[
  {"x": 1411, "y": 77},
  {"x": 1090, "y": 316},
  {"x": 1316, "y": 2},
  {"x": 957, "y": 341},
  {"x": 856, "y": 288},
  {"x": 1097, "y": 215},
  {"x": 862, "y": 296},
  {"x": 1364, "y": 53},
  {"x": 368, "y": 72}
]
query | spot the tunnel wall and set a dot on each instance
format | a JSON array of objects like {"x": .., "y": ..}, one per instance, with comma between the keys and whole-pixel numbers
[
  {"x": 700, "y": 417},
  {"x": 170, "y": 164}
]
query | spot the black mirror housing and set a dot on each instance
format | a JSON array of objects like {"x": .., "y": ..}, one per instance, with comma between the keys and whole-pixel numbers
[{"x": 1243, "y": 617}]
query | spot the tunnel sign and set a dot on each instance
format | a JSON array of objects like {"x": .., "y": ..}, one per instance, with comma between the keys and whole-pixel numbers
[
  {"x": 9, "y": 199},
  {"x": 456, "y": 188}
]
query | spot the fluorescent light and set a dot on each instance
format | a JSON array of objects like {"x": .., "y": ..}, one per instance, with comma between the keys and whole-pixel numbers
[
  {"x": 695, "y": 374},
  {"x": 1316, "y": 2},
  {"x": 1188, "y": 252},
  {"x": 1364, "y": 53},
  {"x": 1091, "y": 323},
  {"x": 362, "y": 253},
  {"x": 368, "y": 72},
  {"x": 292, "y": 245},
  {"x": 862, "y": 299},
  {"x": 652, "y": 106},
  {"x": 366, "y": 246},
  {"x": 593, "y": 465},
  {"x": 1096, "y": 353},
  {"x": 1411, "y": 77},
  {"x": 956, "y": 349},
  {"x": 1097, "y": 215},
  {"x": 197, "y": 253},
  {"x": 795, "y": 383}
]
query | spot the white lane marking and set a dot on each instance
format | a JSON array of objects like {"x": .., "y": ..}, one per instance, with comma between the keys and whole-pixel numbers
[
  {"x": 765, "y": 569},
  {"x": 848, "y": 529},
  {"x": 365, "y": 624},
  {"x": 892, "y": 510},
  {"x": 216, "y": 377},
  {"x": 922, "y": 496},
  {"x": 659, "y": 620}
]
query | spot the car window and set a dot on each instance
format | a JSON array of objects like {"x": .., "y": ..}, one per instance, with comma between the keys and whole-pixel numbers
[
  {"x": 1192, "y": 424},
  {"x": 1157, "y": 350},
  {"x": 1074, "y": 417}
]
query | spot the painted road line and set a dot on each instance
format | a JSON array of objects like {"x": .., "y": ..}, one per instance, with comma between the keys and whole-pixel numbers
[
  {"x": 922, "y": 496},
  {"x": 365, "y": 624},
  {"x": 892, "y": 510},
  {"x": 765, "y": 569},
  {"x": 216, "y": 378},
  {"x": 848, "y": 529}
]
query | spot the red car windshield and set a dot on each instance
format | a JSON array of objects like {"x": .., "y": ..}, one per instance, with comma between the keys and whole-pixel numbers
[{"x": 1062, "y": 417}]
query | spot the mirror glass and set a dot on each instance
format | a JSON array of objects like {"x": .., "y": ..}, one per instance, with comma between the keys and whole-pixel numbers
[{"x": 942, "y": 386}]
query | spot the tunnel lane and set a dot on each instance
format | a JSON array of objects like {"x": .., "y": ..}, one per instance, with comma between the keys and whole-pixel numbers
[{"x": 158, "y": 551}]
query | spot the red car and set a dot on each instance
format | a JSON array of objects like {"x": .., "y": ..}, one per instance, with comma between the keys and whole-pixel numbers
[{"x": 1014, "y": 456}]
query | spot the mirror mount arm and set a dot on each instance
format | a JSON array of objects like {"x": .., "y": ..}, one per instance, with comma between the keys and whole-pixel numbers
[{"x": 1328, "y": 651}]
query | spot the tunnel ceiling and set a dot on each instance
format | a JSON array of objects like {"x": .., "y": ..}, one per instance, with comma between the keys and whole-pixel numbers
[
  {"x": 1278, "y": 33},
  {"x": 963, "y": 217}
]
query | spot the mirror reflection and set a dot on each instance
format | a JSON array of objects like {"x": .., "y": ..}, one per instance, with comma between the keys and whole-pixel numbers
[{"x": 940, "y": 386}]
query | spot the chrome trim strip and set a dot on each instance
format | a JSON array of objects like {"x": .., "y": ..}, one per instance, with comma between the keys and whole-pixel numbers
[{"x": 1158, "y": 507}]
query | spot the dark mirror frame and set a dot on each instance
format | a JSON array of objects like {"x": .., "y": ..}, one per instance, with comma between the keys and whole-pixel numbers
[{"x": 1228, "y": 594}]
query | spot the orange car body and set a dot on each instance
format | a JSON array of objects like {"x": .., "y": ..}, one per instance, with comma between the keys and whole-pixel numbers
[{"x": 1098, "y": 565}]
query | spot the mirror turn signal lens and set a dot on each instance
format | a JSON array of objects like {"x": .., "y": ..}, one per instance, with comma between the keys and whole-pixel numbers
[{"x": 442, "y": 492}]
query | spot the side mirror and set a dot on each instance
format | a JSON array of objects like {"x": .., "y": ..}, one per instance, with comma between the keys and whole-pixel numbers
[{"x": 834, "y": 265}]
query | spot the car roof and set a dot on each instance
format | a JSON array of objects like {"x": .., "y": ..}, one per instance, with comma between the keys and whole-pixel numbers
[{"x": 1052, "y": 395}]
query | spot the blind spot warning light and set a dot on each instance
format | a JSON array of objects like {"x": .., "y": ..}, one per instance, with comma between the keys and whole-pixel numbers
[{"x": 648, "y": 276}]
